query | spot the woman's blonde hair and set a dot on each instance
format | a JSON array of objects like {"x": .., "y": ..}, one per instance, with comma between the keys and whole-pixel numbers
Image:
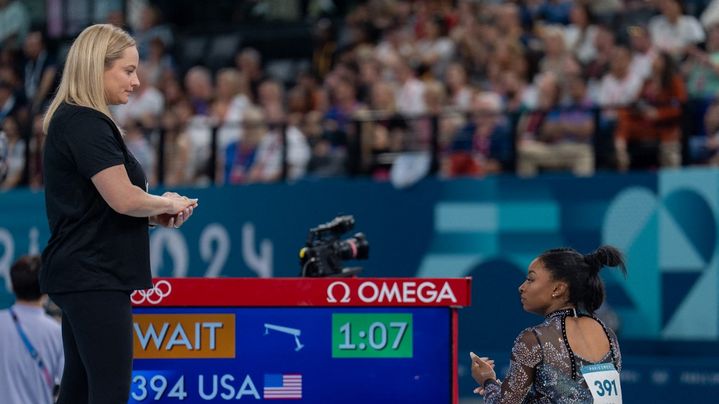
[{"x": 94, "y": 51}]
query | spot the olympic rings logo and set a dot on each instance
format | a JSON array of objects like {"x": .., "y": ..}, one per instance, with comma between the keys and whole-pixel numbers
[{"x": 159, "y": 291}]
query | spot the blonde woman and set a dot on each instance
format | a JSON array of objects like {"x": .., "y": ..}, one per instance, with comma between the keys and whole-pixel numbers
[{"x": 98, "y": 211}]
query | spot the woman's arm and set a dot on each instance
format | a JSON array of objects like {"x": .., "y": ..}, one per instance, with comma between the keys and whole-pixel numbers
[{"x": 115, "y": 187}]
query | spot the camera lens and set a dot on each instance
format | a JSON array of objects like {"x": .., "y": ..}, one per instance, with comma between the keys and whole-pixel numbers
[{"x": 355, "y": 247}]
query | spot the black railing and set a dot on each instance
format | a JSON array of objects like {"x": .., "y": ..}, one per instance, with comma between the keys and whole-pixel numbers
[
  {"x": 357, "y": 164},
  {"x": 356, "y": 157}
]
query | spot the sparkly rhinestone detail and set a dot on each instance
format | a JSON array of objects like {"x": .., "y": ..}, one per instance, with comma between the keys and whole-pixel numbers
[{"x": 543, "y": 368}]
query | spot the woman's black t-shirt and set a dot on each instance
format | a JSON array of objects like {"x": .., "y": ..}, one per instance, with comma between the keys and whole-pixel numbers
[{"x": 91, "y": 246}]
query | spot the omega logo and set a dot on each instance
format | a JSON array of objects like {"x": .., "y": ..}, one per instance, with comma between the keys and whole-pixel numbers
[{"x": 331, "y": 292}]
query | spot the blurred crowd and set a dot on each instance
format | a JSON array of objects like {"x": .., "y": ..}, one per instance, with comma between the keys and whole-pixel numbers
[{"x": 405, "y": 88}]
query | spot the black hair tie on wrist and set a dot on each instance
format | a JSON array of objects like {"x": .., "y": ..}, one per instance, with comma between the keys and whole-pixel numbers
[{"x": 488, "y": 382}]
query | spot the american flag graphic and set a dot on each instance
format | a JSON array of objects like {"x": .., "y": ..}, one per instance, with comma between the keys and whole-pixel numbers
[{"x": 283, "y": 386}]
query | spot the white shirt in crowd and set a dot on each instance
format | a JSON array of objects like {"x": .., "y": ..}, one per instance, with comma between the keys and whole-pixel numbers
[
  {"x": 269, "y": 154},
  {"x": 231, "y": 129},
  {"x": 641, "y": 65},
  {"x": 149, "y": 102},
  {"x": 21, "y": 380},
  {"x": 410, "y": 98},
  {"x": 581, "y": 43},
  {"x": 199, "y": 134},
  {"x": 673, "y": 37},
  {"x": 617, "y": 92}
]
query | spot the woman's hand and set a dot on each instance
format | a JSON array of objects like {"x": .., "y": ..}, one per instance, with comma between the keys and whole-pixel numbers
[
  {"x": 482, "y": 370},
  {"x": 180, "y": 211}
]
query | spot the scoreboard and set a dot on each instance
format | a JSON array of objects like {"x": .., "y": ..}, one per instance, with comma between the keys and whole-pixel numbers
[{"x": 321, "y": 340}]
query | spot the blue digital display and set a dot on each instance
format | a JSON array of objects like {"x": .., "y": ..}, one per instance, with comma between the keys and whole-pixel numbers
[{"x": 315, "y": 355}]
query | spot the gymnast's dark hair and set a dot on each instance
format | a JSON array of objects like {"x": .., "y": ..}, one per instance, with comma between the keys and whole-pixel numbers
[{"x": 581, "y": 272}]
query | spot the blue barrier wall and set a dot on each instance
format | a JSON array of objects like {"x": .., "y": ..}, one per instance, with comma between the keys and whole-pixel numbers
[{"x": 665, "y": 222}]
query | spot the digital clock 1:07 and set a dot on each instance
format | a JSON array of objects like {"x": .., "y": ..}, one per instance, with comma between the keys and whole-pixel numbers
[{"x": 372, "y": 335}]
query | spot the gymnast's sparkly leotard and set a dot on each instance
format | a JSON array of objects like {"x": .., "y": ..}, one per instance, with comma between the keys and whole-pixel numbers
[{"x": 544, "y": 369}]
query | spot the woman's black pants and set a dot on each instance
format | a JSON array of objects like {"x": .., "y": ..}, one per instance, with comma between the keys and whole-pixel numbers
[{"x": 97, "y": 339}]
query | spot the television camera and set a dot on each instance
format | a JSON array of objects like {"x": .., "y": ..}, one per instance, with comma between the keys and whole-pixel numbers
[{"x": 324, "y": 251}]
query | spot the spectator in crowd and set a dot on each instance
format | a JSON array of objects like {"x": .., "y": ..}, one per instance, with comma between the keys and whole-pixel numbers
[
  {"x": 581, "y": 34},
  {"x": 370, "y": 72},
  {"x": 701, "y": 71},
  {"x": 198, "y": 102},
  {"x": 159, "y": 63},
  {"x": 343, "y": 105},
  {"x": 710, "y": 15},
  {"x": 271, "y": 94},
  {"x": 649, "y": 131},
  {"x": 14, "y": 24},
  {"x": 435, "y": 100},
  {"x": 484, "y": 145},
  {"x": 388, "y": 131},
  {"x": 619, "y": 87},
  {"x": 393, "y": 45},
  {"x": 271, "y": 101},
  {"x": 299, "y": 103},
  {"x": 231, "y": 100},
  {"x": 550, "y": 138},
  {"x": 117, "y": 18},
  {"x": 11, "y": 104},
  {"x": 249, "y": 62},
  {"x": 702, "y": 68},
  {"x": 3, "y": 156},
  {"x": 31, "y": 349},
  {"x": 40, "y": 72},
  {"x": 509, "y": 23},
  {"x": 198, "y": 132},
  {"x": 506, "y": 57},
  {"x": 268, "y": 166},
  {"x": 312, "y": 87},
  {"x": 176, "y": 149},
  {"x": 172, "y": 92},
  {"x": 241, "y": 164},
  {"x": 151, "y": 27},
  {"x": 604, "y": 43},
  {"x": 328, "y": 152},
  {"x": 556, "y": 11},
  {"x": 435, "y": 50},
  {"x": 555, "y": 51},
  {"x": 471, "y": 53},
  {"x": 514, "y": 91},
  {"x": 643, "y": 51},
  {"x": 141, "y": 148},
  {"x": 145, "y": 104},
  {"x": 15, "y": 153},
  {"x": 409, "y": 94},
  {"x": 578, "y": 117},
  {"x": 531, "y": 12},
  {"x": 36, "y": 144},
  {"x": 198, "y": 84},
  {"x": 325, "y": 46},
  {"x": 708, "y": 152},
  {"x": 674, "y": 32},
  {"x": 458, "y": 88},
  {"x": 606, "y": 10}
]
